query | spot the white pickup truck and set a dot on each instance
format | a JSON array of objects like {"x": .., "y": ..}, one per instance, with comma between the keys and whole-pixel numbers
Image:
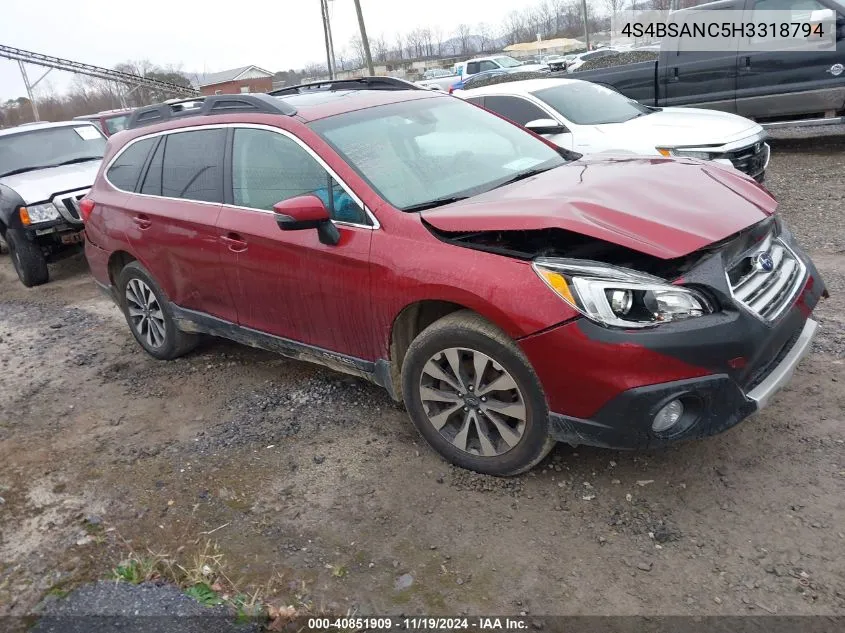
[{"x": 477, "y": 65}]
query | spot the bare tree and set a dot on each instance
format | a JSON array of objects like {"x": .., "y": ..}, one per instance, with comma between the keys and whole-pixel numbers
[
  {"x": 414, "y": 43},
  {"x": 485, "y": 36},
  {"x": 427, "y": 42},
  {"x": 315, "y": 71},
  {"x": 437, "y": 39},
  {"x": 613, "y": 7},
  {"x": 462, "y": 33},
  {"x": 380, "y": 48},
  {"x": 355, "y": 54},
  {"x": 400, "y": 46}
]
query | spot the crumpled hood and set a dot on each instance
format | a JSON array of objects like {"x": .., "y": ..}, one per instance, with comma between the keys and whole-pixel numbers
[
  {"x": 664, "y": 207},
  {"x": 43, "y": 184}
]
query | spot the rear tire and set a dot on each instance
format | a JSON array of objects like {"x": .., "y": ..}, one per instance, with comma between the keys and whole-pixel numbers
[
  {"x": 148, "y": 314},
  {"x": 27, "y": 258},
  {"x": 502, "y": 431}
]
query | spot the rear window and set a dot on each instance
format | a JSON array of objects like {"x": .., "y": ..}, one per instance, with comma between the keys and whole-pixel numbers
[
  {"x": 126, "y": 169},
  {"x": 117, "y": 123}
]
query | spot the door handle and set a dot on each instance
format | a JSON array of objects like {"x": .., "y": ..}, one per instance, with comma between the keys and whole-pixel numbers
[
  {"x": 747, "y": 65},
  {"x": 142, "y": 221},
  {"x": 674, "y": 76},
  {"x": 235, "y": 242}
]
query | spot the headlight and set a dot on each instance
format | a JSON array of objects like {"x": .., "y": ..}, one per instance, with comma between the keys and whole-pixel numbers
[
  {"x": 39, "y": 213},
  {"x": 618, "y": 296},
  {"x": 687, "y": 153}
]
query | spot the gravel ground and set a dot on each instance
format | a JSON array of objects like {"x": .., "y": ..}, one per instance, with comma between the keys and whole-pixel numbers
[
  {"x": 111, "y": 606},
  {"x": 320, "y": 494}
]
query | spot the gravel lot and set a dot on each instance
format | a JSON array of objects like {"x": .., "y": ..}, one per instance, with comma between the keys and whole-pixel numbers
[{"x": 320, "y": 494}]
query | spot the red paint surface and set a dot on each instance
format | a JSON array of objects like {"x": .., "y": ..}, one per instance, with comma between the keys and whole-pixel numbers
[
  {"x": 663, "y": 207},
  {"x": 303, "y": 209},
  {"x": 580, "y": 375},
  {"x": 238, "y": 265}
]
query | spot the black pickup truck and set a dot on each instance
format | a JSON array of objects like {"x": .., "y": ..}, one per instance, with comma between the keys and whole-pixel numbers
[{"x": 801, "y": 84}]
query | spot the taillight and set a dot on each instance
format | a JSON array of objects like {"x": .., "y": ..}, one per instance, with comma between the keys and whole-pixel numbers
[{"x": 86, "y": 206}]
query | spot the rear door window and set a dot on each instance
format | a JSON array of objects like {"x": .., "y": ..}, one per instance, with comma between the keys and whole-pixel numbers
[
  {"x": 193, "y": 165},
  {"x": 126, "y": 169},
  {"x": 515, "y": 109}
]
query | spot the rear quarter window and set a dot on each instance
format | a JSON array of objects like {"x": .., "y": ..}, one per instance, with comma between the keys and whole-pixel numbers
[{"x": 126, "y": 168}]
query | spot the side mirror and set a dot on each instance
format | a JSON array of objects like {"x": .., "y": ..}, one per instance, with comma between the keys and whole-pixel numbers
[
  {"x": 546, "y": 126},
  {"x": 306, "y": 212}
]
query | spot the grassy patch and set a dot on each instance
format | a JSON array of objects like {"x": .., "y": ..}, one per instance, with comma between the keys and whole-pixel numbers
[{"x": 204, "y": 594}]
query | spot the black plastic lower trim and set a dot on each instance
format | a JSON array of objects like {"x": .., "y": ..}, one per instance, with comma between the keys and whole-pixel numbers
[
  {"x": 712, "y": 404},
  {"x": 201, "y": 323}
]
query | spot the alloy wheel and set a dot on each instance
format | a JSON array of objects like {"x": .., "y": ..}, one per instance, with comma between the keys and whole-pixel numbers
[
  {"x": 473, "y": 402},
  {"x": 145, "y": 313}
]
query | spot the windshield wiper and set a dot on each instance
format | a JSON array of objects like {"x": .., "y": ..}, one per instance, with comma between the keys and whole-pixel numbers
[
  {"x": 81, "y": 159},
  {"x": 523, "y": 175},
  {"x": 22, "y": 170},
  {"x": 437, "y": 202}
]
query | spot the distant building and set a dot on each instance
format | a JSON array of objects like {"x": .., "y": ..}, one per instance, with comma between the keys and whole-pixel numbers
[
  {"x": 558, "y": 45},
  {"x": 236, "y": 80}
]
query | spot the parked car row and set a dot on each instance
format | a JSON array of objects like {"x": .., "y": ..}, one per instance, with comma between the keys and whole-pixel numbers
[
  {"x": 483, "y": 275},
  {"x": 464, "y": 70},
  {"x": 588, "y": 118}
]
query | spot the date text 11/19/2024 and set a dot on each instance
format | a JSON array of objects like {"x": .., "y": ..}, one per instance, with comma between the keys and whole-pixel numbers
[{"x": 418, "y": 623}]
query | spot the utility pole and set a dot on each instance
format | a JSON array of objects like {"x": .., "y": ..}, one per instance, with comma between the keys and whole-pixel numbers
[
  {"x": 364, "y": 40},
  {"x": 586, "y": 26},
  {"x": 324, "y": 11}
]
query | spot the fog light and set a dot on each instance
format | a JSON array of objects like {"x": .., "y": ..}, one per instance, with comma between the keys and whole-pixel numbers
[{"x": 668, "y": 416}]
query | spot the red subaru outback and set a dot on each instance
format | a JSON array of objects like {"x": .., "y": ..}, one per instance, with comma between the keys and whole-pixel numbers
[{"x": 510, "y": 293}]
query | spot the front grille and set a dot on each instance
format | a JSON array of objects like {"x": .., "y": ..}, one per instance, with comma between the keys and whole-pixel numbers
[
  {"x": 751, "y": 159},
  {"x": 68, "y": 205},
  {"x": 766, "y": 279}
]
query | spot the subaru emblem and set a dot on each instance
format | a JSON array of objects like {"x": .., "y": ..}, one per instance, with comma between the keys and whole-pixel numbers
[{"x": 764, "y": 262}]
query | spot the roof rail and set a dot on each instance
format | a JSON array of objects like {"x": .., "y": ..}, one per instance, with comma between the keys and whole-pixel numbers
[
  {"x": 206, "y": 106},
  {"x": 360, "y": 83}
]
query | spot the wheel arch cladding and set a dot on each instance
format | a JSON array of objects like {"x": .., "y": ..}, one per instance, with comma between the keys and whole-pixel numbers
[
  {"x": 117, "y": 262},
  {"x": 407, "y": 325}
]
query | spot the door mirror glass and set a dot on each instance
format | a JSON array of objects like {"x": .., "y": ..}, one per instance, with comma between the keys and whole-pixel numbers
[
  {"x": 306, "y": 212},
  {"x": 546, "y": 126}
]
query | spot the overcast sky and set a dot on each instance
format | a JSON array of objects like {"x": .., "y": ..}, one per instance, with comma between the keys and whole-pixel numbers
[{"x": 210, "y": 36}]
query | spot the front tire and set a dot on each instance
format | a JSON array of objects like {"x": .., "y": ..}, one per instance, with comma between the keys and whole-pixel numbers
[
  {"x": 27, "y": 258},
  {"x": 149, "y": 316},
  {"x": 474, "y": 397}
]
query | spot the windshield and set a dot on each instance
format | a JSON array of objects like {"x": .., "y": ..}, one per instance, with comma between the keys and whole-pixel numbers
[
  {"x": 507, "y": 62},
  {"x": 49, "y": 147},
  {"x": 584, "y": 103},
  {"x": 419, "y": 153}
]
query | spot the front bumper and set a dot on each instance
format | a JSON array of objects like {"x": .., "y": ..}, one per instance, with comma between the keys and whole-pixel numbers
[
  {"x": 605, "y": 385},
  {"x": 712, "y": 404}
]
